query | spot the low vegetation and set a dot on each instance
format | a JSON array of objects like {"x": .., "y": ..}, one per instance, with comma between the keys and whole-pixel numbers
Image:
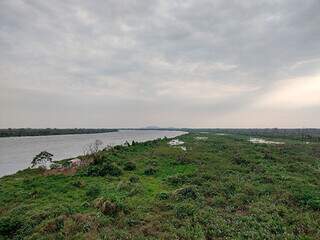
[{"x": 223, "y": 187}]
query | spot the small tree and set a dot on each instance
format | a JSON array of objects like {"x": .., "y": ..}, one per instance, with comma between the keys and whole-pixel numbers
[{"x": 42, "y": 158}]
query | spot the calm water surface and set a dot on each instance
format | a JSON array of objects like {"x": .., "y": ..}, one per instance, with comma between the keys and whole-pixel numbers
[{"x": 16, "y": 153}]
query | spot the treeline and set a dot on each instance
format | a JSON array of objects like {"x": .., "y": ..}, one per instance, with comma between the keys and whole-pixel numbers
[{"x": 19, "y": 132}]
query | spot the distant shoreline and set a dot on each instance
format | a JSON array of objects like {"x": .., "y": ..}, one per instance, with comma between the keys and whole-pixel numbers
[{"x": 32, "y": 132}]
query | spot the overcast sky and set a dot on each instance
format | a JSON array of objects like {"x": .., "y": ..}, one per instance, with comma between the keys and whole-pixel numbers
[{"x": 186, "y": 63}]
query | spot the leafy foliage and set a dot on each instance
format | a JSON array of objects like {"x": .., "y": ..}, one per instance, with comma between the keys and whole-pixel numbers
[
  {"x": 93, "y": 192},
  {"x": 42, "y": 158},
  {"x": 104, "y": 169},
  {"x": 129, "y": 166},
  {"x": 151, "y": 170}
]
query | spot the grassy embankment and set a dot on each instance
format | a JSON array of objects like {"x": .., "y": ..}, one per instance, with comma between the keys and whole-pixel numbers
[{"x": 220, "y": 188}]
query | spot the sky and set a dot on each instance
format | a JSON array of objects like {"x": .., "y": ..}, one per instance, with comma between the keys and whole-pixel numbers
[{"x": 169, "y": 63}]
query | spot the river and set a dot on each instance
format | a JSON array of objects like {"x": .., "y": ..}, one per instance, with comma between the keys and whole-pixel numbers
[{"x": 16, "y": 153}]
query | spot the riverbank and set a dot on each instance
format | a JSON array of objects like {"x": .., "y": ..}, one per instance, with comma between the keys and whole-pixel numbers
[
  {"x": 23, "y": 149},
  {"x": 23, "y": 132},
  {"x": 219, "y": 187}
]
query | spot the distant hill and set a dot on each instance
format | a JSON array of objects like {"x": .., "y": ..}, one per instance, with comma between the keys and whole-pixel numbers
[{"x": 152, "y": 127}]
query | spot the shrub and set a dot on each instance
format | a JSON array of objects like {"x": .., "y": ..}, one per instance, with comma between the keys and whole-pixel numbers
[
  {"x": 150, "y": 171},
  {"x": 184, "y": 210},
  {"x": 163, "y": 196},
  {"x": 93, "y": 192},
  {"x": 66, "y": 164},
  {"x": 9, "y": 226},
  {"x": 85, "y": 222},
  {"x": 229, "y": 188},
  {"x": 54, "y": 225},
  {"x": 104, "y": 169},
  {"x": 134, "y": 179},
  {"x": 193, "y": 231},
  {"x": 110, "y": 169},
  {"x": 308, "y": 197},
  {"x": 129, "y": 166},
  {"x": 237, "y": 159},
  {"x": 78, "y": 183},
  {"x": 219, "y": 201},
  {"x": 178, "y": 179},
  {"x": 153, "y": 163},
  {"x": 268, "y": 156},
  {"x": 182, "y": 159},
  {"x": 118, "y": 148},
  {"x": 124, "y": 186},
  {"x": 107, "y": 207},
  {"x": 187, "y": 192},
  {"x": 137, "y": 188},
  {"x": 55, "y": 166},
  {"x": 85, "y": 204},
  {"x": 99, "y": 159},
  {"x": 129, "y": 187}
]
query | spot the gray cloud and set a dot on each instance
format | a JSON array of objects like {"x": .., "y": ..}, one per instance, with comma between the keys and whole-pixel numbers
[{"x": 171, "y": 63}]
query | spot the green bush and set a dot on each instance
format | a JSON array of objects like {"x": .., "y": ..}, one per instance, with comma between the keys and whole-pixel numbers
[
  {"x": 104, "y": 169},
  {"x": 55, "y": 166},
  {"x": 237, "y": 159},
  {"x": 184, "y": 210},
  {"x": 129, "y": 187},
  {"x": 268, "y": 155},
  {"x": 178, "y": 179},
  {"x": 9, "y": 226},
  {"x": 93, "y": 192},
  {"x": 152, "y": 163},
  {"x": 134, "y": 179},
  {"x": 163, "y": 196},
  {"x": 187, "y": 192},
  {"x": 308, "y": 197},
  {"x": 129, "y": 166},
  {"x": 78, "y": 183},
  {"x": 182, "y": 159},
  {"x": 150, "y": 170},
  {"x": 66, "y": 164},
  {"x": 109, "y": 207},
  {"x": 123, "y": 186}
]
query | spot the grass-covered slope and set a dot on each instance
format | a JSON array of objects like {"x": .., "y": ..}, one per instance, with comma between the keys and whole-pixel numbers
[{"x": 220, "y": 188}]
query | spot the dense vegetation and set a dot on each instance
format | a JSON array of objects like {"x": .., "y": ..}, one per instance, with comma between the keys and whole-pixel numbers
[
  {"x": 19, "y": 132},
  {"x": 222, "y": 187},
  {"x": 302, "y": 134}
]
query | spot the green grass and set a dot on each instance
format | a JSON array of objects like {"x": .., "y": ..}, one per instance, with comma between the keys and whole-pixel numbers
[{"x": 220, "y": 188}]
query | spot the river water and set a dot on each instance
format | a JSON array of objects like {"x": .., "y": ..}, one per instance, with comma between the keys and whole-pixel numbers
[{"x": 16, "y": 153}]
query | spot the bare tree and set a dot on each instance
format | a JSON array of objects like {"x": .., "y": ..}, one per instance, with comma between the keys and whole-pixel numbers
[{"x": 92, "y": 149}]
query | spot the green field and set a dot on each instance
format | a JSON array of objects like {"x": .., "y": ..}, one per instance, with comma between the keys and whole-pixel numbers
[{"x": 222, "y": 187}]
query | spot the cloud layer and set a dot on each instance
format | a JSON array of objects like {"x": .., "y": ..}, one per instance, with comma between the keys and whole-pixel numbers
[{"x": 191, "y": 63}]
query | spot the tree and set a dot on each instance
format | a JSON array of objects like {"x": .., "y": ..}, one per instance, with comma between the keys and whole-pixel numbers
[{"x": 42, "y": 158}]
